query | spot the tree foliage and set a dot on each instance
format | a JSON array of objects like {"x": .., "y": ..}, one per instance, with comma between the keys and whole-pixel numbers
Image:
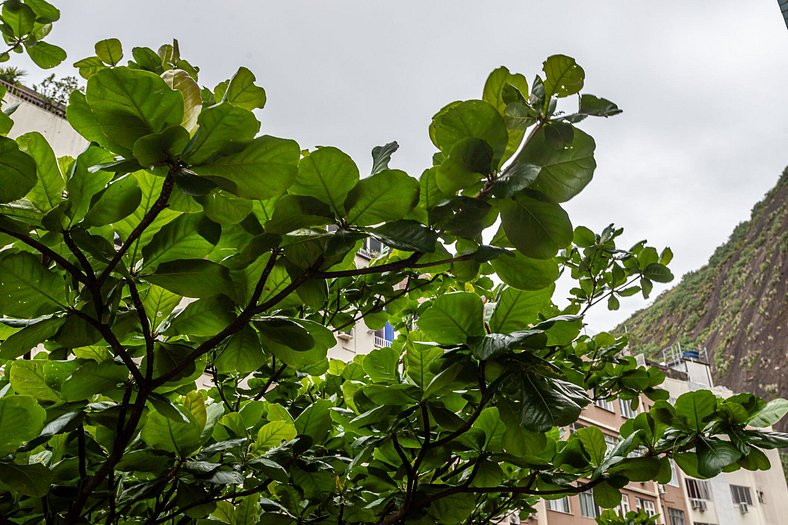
[{"x": 169, "y": 297}]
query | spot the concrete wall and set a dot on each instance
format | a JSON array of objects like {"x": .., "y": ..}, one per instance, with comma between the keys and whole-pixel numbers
[{"x": 58, "y": 132}]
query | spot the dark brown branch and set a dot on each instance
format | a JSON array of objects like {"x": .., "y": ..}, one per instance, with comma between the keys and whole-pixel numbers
[
  {"x": 274, "y": 376},
  {"x": 147, "y": 220},
  {"x": 83, "y": 261},
  {"x": 45, "y": 250},
  {"x": 147, "y": 333}
]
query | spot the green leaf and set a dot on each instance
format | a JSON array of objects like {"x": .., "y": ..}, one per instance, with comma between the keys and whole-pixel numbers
[
  {"x": 21, "y": 419},
  {"x": 17, "y": 171},
  {"x": 770, "y": 414},
  {"x": 535, "y": 227},
  {"x": 27, "y": 288},
  {"x": 223, "y": 128},
  {"x": 714, "y": 455},
  {"x": 293, "y": 212},
  {"x": 118, "y": 200},
  {"x": 274, "y": 433},
  {"x": 563, "y": 76},
  {"x": 243, "y": 93},
  {"x": 328, "y": 175},
  {"x": 192, "y": 278},
  {"x": 242, "y": 354},
  {"x": 525, "y": 273},
  {"x": 110, "y": 51},
  {"x": 453, "y": 318},
  {"x": 517, "y": 309},
  {"x": 84, "y": 122},
  {"x": 28, "y": 378},
  {"x": 470, "y": 119},
  {"x": 190, "y": 90},
  {"x": 695, "y": 408},
  {"x": 287, "y": 332},
  {"x": 45, "y": 12},
  {"x": 223, "y": 207},
  {"x": 29, "y": 480},
  {"x": 597, "y": 107},
  {"x": 45, "y": 55},
  {"x": 93, "y": 378},
  {"x": 262, "y": 170},
  {"x": 406, "y": 235},
  {"x": 517, "y": 177},
  {"x": 468, "y": 162},
  {"x": 48, "y": 191},
  {"x": 658, "y": 273},
  {"x": 489, "y": 422},
  {"x": 607, "y": 496},
  {"x": 131, "y": 103},
  {"x": 593, "y": 443},
  {"x": 28, "y": 337},
  {"x": 315, "y": 421},
  {"x": 497, "y": 81},
  {"x": 492, "y": 345},
  {"x": 382, "y": 365},
  {"x": 549, "y": 402},
  {"x": 386, "y": 196},
  {"x": 565, "y": 170},
  {"x": 203, "y": 318},
  {"x": 159, "y": 148},
  {"x": 381, "y": 155},
  {"x": 163, "y": 433},
  {"x": 419, "y": 360},
  {"x": 190, "y": 236}
]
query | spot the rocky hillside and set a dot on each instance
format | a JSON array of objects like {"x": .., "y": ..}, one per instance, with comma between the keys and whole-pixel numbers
[{"x": 736, "y": 306}]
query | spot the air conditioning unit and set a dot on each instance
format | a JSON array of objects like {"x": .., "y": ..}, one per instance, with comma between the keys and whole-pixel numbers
[
  {"x": 743, "y": 507},
  {"x": 698, "y": 504},
  {"x": 661, "y": 488},
  {"x": 640, "y": 360},
  {"x": 347, "y": 336}
]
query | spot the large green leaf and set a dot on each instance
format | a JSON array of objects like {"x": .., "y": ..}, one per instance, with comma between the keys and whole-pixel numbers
[
  {"x": 453, "y": 318},
  {"x": 525, "y": 273},
  {"x": 293, "y": 212},
  {"x": 419, "y": 360},
  {"x": 118, "y": 200},
  {"x": 160, "y": 148},
  {"x": 492, "y": 345},
  {"x": 242, "y": 354},
  {"x": 518, "y": 309},
  {"x": 28, "y": 337},
  {"x": 496, "y": 88},
  {"x": 315, "y": 421},
  {"x": 45, "y": 55},
  {"x": 21, "y": 419},
  {"x": 696, "y": 407},
  {"x": 386, "y": 196},
  {"x": 29, "y": 480},
  {"x": 190, "y": 236},
  {"x": 192, "y": 278},
  {"x": 82, "y": 185},
  {"x": 242, "y": 92},
  {"x": 714, "y": 455},
  {"x": 770, "y": 414},
  {"x": 563, "y": 76},
  {"x": 470, "y": 119},
  {"x": 549, "y": 402},
  {"x": 407, "y": 235},
  {"x": 222, "y": 207},
  {"x": 163, "y": 433},
  {"x": 262, "y": 170},
  {"x": 535, "y": 227},
  {"x": 382, "y": 365},
  {"x": 468, "y": 162},
  {"x": 17, "y": 171},
  {"x": 93, "y": 378},
  {"x": 27, "y": 288},
  {"x": 190, "y": 90},
  {"x": 110, "y": 51},
  {"x": 565, "y": 170},
  {"x": 29, "y": 378},
  {"x": 48, "y": 191},
  {"x": 223, "y": 127},
  {"x": 273, "y": 433},
  {"x": 328, "y": 175},
  {"x": 131, "y": 103},
  {"x": 594, "y": 444},
  {"x": 203, "y": 318}
]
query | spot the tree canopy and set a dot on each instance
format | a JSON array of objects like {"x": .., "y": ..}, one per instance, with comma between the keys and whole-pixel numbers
[{"x": 169, "y": 297}]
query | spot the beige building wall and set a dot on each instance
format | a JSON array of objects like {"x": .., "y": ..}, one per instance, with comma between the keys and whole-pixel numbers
[{"x": 56, "y": 129}]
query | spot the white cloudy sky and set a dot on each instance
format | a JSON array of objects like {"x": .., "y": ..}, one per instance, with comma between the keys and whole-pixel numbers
[{"x": 702, "y": 84}]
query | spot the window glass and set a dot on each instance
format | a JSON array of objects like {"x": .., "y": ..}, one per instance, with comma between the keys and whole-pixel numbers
[
  {"x": 604, "y": 403},
  {"x": 588, "y": 508},
  {"x": 741, "y": 494},
  {"x": 697, "y": 488},
  {"x": 626, "y": 409},
  {"x": 675, "y": 517},
  {"x": 559, "y": 505}
]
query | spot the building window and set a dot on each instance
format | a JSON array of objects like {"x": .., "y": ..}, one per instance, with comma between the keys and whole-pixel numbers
[
  {"x": 384, "y": 336},
  {"x": 559, "y": 505},
  {"x": 674, "y": 476},
  {"x": 647, "y": 505},
  {"x": 372, "y": 248},
  {"x": 588, "y": 508},
  {"x": 626, "y": 409},
  {"x": 697, "y": 489},
  {"x": 675, "y": 517},
  {"x": 624, "y": 504},
  {"x": 605, "y": 404},
  {"x": 610, "y": 442},
  {"x": 741, "y": 494}
]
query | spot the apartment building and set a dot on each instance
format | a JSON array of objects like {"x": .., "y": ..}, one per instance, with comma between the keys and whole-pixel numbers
[{"x": 737, "y": 498}]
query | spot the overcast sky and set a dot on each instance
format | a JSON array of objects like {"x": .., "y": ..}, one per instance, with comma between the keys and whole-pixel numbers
[{"x": 702, "y": 84}]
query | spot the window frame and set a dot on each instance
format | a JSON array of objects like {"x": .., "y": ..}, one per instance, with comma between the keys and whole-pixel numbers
[
  {"x": 552, "y": 504},
  {"x": 741, "y": 490},
  {"x": 673, "y": 514},
  {"x": 586, "y": 499}
]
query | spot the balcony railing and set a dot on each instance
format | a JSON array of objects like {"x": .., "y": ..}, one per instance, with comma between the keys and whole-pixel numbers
[
  {"x": 31, "y": 97},
  {"x": 381, "y": 342}
]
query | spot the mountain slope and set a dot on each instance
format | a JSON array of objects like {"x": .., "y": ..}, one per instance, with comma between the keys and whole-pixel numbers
[{"x": 736, "y": 306}]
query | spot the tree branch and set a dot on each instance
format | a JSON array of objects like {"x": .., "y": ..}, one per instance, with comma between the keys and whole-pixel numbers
[{"x": 59, "y": 259}]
